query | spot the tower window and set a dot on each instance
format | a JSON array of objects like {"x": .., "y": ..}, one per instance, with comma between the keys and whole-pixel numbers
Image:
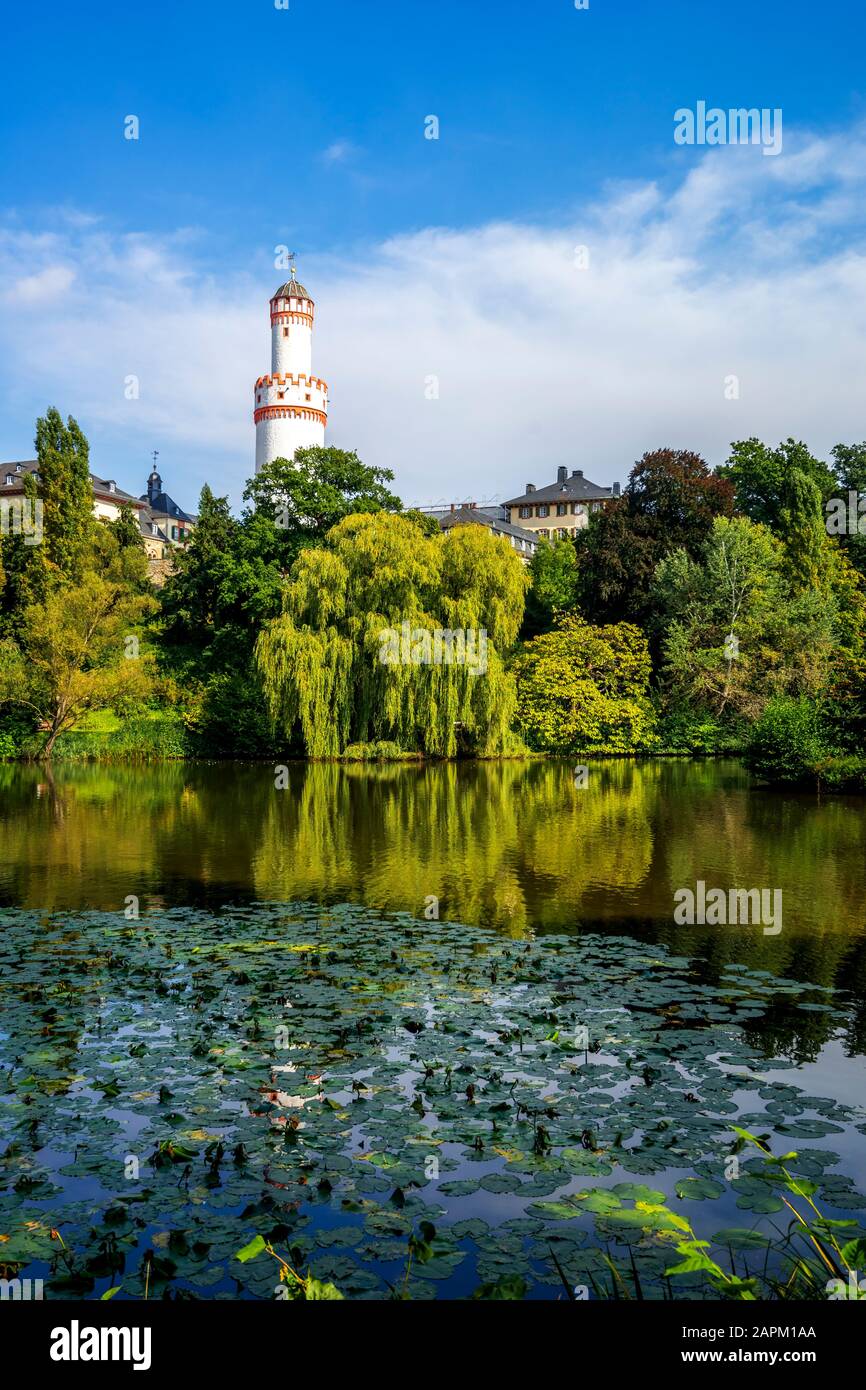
[{"x": 285, "y": 332}]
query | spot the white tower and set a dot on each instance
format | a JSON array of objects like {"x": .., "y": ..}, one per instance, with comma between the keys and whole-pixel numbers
[{"x": 291, "y": 405}]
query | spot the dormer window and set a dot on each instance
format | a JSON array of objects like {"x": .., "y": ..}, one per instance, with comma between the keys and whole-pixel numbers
[{"x": 10, "y": 478}]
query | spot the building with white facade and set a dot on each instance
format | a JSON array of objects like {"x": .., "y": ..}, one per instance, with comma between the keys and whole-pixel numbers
[{"x": 291, "y": 405}]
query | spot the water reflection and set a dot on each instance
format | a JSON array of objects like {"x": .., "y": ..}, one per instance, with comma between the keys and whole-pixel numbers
[{"x": 515, "y": 845}]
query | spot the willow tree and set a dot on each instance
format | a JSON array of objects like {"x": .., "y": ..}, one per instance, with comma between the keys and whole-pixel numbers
[{"x": 380, "y": 639}]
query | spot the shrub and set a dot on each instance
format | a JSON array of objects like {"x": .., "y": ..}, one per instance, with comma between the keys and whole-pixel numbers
[
  {"x": 699, "y": 732},
  {"x": 226, "y": 717},
  {"x": 381, "y": 751},
  {"x": 843, "y": 774},
  {"x": 583, "y": 688},
  {"x": 137, "y": 739},
  {"x": 787, "y": 742}
]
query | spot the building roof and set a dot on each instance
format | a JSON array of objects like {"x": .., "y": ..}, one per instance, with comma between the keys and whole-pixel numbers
[
  {"x": 163, "y": 505},
  {"x": 102, "y": 487},
  {"x": 474, "y": 516},
  {"x": 576, "y": 488},
  {"x": 149, "y": 526},
  {"x": 294, "y": 288},
  {"x": 496, "y": 510}
]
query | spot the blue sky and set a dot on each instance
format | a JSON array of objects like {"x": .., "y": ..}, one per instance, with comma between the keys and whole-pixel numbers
[{"x": 305, "y": 127}]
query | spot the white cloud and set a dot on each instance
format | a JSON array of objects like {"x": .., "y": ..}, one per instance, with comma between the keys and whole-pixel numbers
[
  {"x": 745, "y": 266},
  {"x": 43, "y": 287},
  {"x": 338, "y": 152}
]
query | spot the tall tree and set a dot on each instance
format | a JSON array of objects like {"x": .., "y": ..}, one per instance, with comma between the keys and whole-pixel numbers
[
  {"x": 306, "y": 496},
  {"x": 850, "y": 461},
  {"x": 553, "y": 585},
  {"x": 353, "y": 656},
  {"x": 737, "y": 631},
  {"x": 65, "y": 489},
  {"x": 762, "y": 477},
  {"x": 671, "y": 501},
  {"x": 78, "y": 649}
]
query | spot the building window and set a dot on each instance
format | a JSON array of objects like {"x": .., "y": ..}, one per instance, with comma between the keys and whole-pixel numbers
[
  {"x": 174, "y": 533},
  {"x": 285, "y": 332},
  {"x": 563, "y": 533},
  {"x": 544, "y": 533},
  {"x": 562, "y": 509},
  {"x": 544, "y": 510},
  {"x": 10, "y": 478},
  {"x": 525, "y": 511}
]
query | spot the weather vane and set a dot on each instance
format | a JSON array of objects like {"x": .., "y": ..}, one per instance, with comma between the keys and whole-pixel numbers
[
  {"x": 292, "y": 255},
  {"x": 155, "y": 456}
]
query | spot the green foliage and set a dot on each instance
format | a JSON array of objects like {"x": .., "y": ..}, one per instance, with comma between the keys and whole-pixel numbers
[
  {"x": 73, "y": 651},
  {"x": 307, "y": 495},
  {"x": 670, "y": 503},
  {"x": 692, "y": 730},
  {"x": 326, "y": 663},
  {"x": 735, "y": 631},
  {"x": 554, "y": 585},
  {"x": 381, "y": 752},
  {"x": 141, "y": 738},
  {"x": 763, "y": 478},
  {"x": 804, "y": 533},
  {"x": 794, "y": 743},
  {"x": 126, "y": 529},
  {"x": 582, "y": 688},
  {"x": 67, "y": 495},
  {"x": 786, "y": 742}
]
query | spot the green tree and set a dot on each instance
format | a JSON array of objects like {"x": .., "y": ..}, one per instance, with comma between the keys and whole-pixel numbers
[
  {"x": 307, "y": 495},
  {"x": 762, "y": 478},
  {"x": 582, "y": 688},
  {"x": 126, "y": 529},
  {"x": 736, "y": 632},
  {"x": 802, "y": 528},
  {"x": 553, "y": 585},
  {"x": 226, "y": 582},
  {"x": 850, "y": 461},
  {"x": 66, "y": 491},
  {"x": 670, "y": 502},
  {"x": 78, "y": 649},
  {"x": 353, "y": 656}
]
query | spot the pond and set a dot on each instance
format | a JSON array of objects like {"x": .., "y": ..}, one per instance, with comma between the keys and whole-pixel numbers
[{"x": 422, "y": 1029}]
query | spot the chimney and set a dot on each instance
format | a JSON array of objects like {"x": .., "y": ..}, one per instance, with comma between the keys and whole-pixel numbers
[
  {"x": 561, "y": 475},
  {"x": 453, "y": 506},
  {"x": 616, "y": 491},
  {"x": 472, "y": 506},
  {"x": 577, "y": 473},
  {"x": 530, "y": 487}
]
